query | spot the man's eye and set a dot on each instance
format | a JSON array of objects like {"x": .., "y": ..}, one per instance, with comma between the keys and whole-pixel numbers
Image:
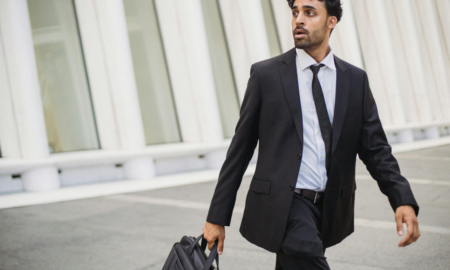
[{"x": 294, "y": 13}]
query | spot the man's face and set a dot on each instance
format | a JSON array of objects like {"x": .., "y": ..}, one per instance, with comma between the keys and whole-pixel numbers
[{"x": 309, "y": 23}]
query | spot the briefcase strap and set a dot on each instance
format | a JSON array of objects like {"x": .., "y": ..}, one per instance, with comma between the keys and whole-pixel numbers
[
  {"x": 212, "y": 255},
  {"x": 204, "y": 243}
]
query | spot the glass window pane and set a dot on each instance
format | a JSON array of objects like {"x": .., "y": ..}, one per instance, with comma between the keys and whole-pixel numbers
[
  {"x": 65, "y": 93},
  {"x": 152, "y": 78},
  {"x": 271, "y": 28},
  {"x": 221, "y": 65}
]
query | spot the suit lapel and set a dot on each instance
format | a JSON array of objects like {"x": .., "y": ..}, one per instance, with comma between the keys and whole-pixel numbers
[
  {"x": 342, "y": 92},
  {"x": 288, "y": 73}
]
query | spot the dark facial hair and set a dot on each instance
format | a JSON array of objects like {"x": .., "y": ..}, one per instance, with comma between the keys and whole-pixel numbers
[{"x": 312, "y": 40}]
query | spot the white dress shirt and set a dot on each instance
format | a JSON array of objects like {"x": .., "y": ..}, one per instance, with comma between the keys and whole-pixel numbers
[{"x": 313, "y": 174}]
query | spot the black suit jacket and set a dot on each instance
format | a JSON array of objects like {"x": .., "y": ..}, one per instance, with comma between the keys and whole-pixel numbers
[{"x": 271, "y": 113}]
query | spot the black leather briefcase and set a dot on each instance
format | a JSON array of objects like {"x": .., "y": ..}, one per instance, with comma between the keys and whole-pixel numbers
[{"x": 189, "y": 255}]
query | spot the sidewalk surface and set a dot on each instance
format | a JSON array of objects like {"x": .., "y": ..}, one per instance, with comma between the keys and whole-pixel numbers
[{"x": 136, "y": 230}]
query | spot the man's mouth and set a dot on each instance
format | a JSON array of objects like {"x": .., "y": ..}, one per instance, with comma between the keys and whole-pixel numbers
[{"x": 299, "y": 33}]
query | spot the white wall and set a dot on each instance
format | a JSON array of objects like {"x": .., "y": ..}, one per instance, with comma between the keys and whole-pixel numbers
[{"x": 408, "y": 75}]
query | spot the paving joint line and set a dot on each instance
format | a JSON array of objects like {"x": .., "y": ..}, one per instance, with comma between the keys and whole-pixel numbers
[{"x": 380, "y": 224}]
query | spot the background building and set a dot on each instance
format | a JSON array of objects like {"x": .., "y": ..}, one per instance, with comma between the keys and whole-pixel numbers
[{"x": 104, "y": 90}]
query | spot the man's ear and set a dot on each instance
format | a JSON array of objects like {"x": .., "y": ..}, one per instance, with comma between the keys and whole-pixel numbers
[{"x": 332, "y": 21}]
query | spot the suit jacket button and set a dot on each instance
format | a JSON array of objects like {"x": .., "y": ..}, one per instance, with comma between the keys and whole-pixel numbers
[
  {"x": 299, "y": 156},
  {"x": 291, "y": 187}
]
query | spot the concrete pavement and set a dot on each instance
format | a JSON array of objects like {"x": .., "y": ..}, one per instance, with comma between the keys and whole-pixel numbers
[{"x": 136, "y": 230}]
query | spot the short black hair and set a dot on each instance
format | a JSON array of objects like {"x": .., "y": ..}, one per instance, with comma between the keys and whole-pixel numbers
[{"x": 334, "y": 7}]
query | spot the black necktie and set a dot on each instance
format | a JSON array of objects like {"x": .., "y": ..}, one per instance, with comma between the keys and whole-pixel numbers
[{"x": 322, "y": 114}]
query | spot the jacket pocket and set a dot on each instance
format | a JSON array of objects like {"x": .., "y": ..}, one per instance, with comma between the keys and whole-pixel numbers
[
  {"x": 348, "y": 190},
  {"x": 260, "y": 186}
]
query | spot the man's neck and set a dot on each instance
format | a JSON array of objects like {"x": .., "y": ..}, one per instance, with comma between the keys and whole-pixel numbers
[{"x": 319, "y": 53}]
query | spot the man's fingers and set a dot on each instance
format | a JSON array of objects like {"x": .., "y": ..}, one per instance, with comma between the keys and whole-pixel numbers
[
  {"x": 416, "y": 231},
  {"x": 210, "y": 240},
  {"x": 399, "y": 226},
  {"x": 220, "y": 246},
  {"x": 406, "y": 214},
  {"x": 406, "y": 240},
  {"x": 210, "y": 244},
  {"x": 409, "y": 236},
  {"x": 211, "y": 233}
]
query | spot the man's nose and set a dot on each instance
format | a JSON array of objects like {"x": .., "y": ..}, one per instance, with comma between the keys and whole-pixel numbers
[{"x": 300, "y": 20}]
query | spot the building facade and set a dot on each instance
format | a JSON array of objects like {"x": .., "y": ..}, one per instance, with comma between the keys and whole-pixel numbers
[{"x": 106, "y": 90}]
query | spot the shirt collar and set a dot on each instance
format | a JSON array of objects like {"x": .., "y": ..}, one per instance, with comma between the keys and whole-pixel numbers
[{"x": 305, "y": 60}]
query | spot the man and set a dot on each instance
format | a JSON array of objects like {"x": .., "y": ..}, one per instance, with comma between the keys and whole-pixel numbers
[{"x": 312, "y": 114}]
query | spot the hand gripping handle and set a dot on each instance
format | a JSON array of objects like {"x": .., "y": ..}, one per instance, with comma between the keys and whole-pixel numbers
[{"x": 212, "y": 255}]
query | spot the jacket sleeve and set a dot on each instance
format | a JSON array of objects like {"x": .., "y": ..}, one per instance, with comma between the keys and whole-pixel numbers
[
  {"x": 238, "y": 156},
  {"x": 376, "y": 154}
]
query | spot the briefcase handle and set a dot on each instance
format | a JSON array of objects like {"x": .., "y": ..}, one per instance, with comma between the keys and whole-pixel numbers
[{"x": 212, "y": 255}]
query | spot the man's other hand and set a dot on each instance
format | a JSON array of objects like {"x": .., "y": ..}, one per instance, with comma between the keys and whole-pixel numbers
[
  {"x": 406, "y": 214},
  {"x": 211, "y": 232}
]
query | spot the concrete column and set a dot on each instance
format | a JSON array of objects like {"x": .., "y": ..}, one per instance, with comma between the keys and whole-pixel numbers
[
  {"x": 188, "y": 58},
  {"x": 382, "y": 68},
  {"x": 435, "y": 66},
  {"x": 379, "y": 59},
  {"x": 400, "y": 56},
  {"x": 97, "y": 70},
  {"x": 178, "y": 69},
  {"x": 9, "y": 135},
  {"x": 119, "y": 65},
  {"x": 412, "y": 75},
  {"x": 21, "y": 63},
  {"x": 443, "y": 9},
  {"x": 25, "y": 92},
  {"x": 201, "y": 73},
  {"x": 345, "y": 40},
  {"x": 370, "y": 55},
  {"x": 122, "y": 86},
  {"x": 252, "y": 16},
  {"x": 247, "y": 38},
  {"x": 283, "y": 19}
]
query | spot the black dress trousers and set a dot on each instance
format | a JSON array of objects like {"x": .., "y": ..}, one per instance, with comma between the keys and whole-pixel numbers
[{"x": 302, "y": 246}]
